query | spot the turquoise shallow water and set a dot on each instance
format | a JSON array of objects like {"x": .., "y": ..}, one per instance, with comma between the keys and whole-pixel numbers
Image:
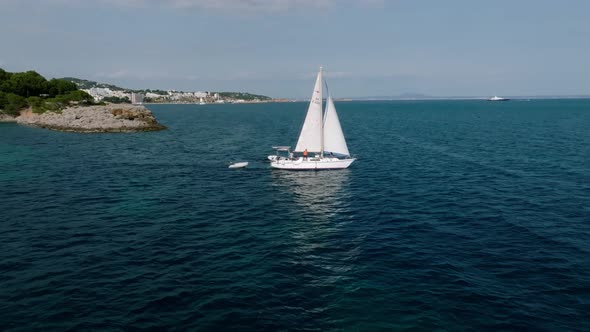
[{"x": 458, "y": 215}]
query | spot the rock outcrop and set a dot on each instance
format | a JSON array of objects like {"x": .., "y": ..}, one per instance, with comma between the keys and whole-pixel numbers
[
  {"x": 94, "y": 119},
  {"x": 7, "y": 118}
]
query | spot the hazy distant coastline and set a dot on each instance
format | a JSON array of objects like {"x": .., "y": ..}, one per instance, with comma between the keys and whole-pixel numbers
[
  {"x": 433, "y": 98},
  {"x": 115, "y": 94},
  {"x": 428, "y": 97}
]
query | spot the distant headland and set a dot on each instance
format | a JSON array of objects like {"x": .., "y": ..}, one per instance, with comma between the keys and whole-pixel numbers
[
  {"x": 114, "y": 94},
  {"x": 78, "y": 105},
  {"x": 29, "y": 99}
]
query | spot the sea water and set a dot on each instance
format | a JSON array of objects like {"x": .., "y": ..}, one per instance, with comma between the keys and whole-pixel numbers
[{"x": 457, "y": 215}]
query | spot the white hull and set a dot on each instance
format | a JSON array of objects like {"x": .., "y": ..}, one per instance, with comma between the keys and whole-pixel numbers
[
  {"x": 239, "y": 165},
  {"x": 496, "y": 98},
  {"x": 311, "y": 163}
]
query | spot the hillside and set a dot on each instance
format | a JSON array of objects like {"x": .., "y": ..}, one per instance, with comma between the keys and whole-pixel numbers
[
  {"x": 243, "y": 95},
  {"x": 87, "y": 84}
]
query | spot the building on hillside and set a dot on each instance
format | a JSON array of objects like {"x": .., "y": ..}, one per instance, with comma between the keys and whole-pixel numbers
[
  {"x": 136, "y": 98},
  {"x": 100, "y": 93},
  {"x": 154, "y": 95}
]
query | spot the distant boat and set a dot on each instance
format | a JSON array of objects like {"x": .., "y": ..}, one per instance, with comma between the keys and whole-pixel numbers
[
  {"x": 496, "y": 98},
  {"x": 239, "y": 165},
  {"x": 202, "y": 102},
  {"x": 321, "y": 143}
]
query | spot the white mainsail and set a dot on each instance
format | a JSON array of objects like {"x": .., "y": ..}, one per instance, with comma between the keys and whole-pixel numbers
[
  {"x": 333, "y": 136},
  {"x": 310, "y": 138}
]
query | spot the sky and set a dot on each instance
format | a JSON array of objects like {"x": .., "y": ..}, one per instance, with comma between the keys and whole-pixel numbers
[{"x": 275, "y": 47}]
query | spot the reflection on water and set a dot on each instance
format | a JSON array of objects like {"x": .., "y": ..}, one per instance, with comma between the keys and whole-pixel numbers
[
  {"x": 320, "y": 193},
  {"x": 323, "y": 204}
]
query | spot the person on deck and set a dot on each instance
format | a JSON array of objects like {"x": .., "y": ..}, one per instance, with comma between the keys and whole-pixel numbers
[{"x": 305, "y": 154}]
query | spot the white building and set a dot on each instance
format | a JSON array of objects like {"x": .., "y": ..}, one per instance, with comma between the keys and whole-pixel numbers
[
  {"x": 100, "y": 93},
  {"x": 136, "y": 98},
  {"x": 154, "y": 95}
]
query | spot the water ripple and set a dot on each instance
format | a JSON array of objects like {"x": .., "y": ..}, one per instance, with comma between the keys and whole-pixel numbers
[{"x": 457, "y": 215}]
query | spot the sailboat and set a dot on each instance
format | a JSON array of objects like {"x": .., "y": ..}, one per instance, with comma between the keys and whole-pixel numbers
[
  {"x": 201, "y": 101},
  {"x": 320, "y": 136}
]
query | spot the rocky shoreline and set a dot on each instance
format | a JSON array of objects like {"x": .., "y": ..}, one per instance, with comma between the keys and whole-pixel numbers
[
  {"x": 115, "y": 118},
  {"x": 7, "y": 118}
]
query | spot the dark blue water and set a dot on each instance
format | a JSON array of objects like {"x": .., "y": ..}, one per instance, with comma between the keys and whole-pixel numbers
[{"x": 458, "y": 215}]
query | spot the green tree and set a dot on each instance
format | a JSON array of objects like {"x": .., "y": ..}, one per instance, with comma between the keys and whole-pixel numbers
[
  {"x": 17, "y": 90},
  {"x": 14, "y": 103},
  {"x": 4, "y": 76},
  {"x": 60, "y": 87},
  {"x": 117, "y": 100},
  {"x": 37, "y": 103},
  {"x": 79, "y": 95},
  {"x": 3, "y": 100},
  {"x": 25, "y": 84}
]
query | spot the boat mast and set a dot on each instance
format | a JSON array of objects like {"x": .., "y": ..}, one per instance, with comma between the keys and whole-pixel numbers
[{"x": 322, "y": 117}]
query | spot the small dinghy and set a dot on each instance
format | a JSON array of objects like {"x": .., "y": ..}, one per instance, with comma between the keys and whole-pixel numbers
[{"x": 239, "y": 165}]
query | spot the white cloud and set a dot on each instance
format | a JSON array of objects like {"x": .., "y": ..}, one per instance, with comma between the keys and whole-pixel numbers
[
  {"x": 262, "y": 5},
  {"x": 234, "y": 5}
]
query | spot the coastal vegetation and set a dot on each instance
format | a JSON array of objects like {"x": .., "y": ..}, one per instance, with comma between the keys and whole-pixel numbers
[
  {"x": 55, "y": 104},
  {"x": 29, "y": 89},
  {"x": 243, "y": 96},
  {"x": 117, "y": 100}
]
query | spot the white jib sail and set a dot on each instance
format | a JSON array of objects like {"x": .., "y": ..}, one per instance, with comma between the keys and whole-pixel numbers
[
  {"x": 310, "y": 138},
  {"x": 333, "y": 136}
]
